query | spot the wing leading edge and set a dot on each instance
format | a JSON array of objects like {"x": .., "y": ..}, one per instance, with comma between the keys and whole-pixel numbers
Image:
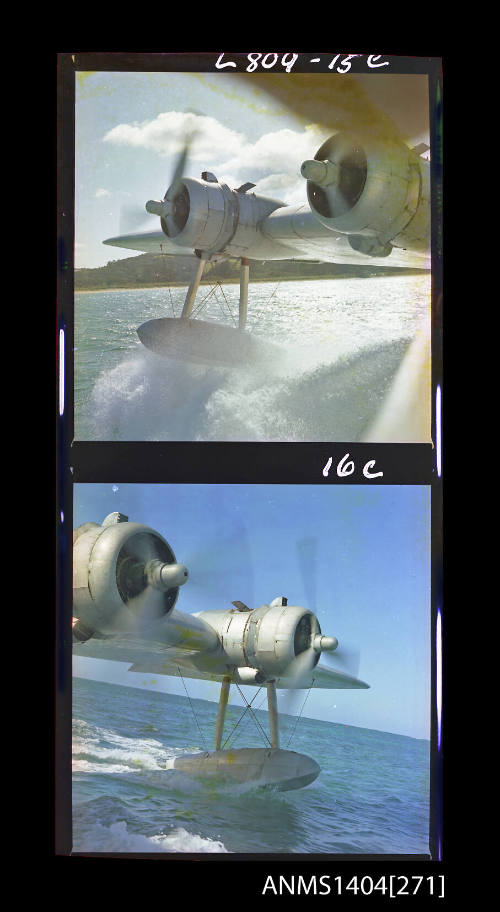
[
  {"x": 320, "y": 246},
  {"x": 149, "y": 242},
  {"x": 154, "y": 658}
]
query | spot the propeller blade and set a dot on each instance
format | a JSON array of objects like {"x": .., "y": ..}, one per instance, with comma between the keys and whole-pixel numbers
[
  {"x": 144, "y": 547},
  {"x": 298, "y": 670},
  {"x": 132, "y": 218},
  {"x": 307, "y": 559},
  {"x": 180, "y": 164},
  {"x": 289, "y": 701},
  {"x": 346, "y": 657},
  {"x": 146, "y": 608},
  {"x": 224, "y": 567}
]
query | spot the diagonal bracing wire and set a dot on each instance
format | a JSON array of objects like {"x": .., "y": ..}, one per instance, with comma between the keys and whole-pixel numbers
[
  {"x": 251, "y": 322},
  {"x": 192, "y": 708},
  {"x": 231, "y": 733},
  {"x": 200, "y": 306},
  {"x": 261, "y": 704},
  {"x": 218, "y": 284},
  {"x": 254, "y": 717},
  {"x": 274, "y": 292},
  {"x": 171, "y": 300},
  {"x": 225, "y": 299},
  {"x": 299, "y": 715}
]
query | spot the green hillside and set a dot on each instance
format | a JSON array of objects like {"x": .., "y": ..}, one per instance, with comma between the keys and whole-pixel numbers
[{"x": 155, "y": 270}]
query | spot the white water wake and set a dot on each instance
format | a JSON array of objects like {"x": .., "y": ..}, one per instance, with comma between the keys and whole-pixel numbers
[
  {"x": 312, "y": 393},
  {"x": 117, "y": 838}
]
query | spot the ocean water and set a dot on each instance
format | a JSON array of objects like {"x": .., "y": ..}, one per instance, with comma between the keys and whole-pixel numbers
[
  {"x": 372, "y": 795},
  {"x": 340, "y": 343}
]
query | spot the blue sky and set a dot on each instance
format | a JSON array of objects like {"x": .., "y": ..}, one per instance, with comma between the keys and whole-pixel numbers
[
  {"x": 370, "y": 579},
  {"x": 131, "y": 126}
]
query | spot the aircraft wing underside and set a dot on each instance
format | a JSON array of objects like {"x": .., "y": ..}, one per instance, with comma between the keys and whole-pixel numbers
[
  {"x": 333, "y": 248},
  {"x": 148, "y": 657},
  {"x": 149, "y": 242}
]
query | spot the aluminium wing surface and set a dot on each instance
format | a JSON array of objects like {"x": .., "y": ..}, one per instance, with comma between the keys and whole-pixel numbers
[
  {"x": 321, "y": 245},
  {"x": 152, "y": 657},
  {"x": 149, "y": 242}
]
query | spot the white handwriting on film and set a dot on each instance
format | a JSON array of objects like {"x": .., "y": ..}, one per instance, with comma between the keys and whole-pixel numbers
[
  {"x": 346, "y": 467},
  {"x": 268, "y": 61}
]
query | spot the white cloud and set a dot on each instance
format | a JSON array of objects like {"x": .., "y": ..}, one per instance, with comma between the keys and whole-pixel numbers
[
  {"x": 281, "y": 185},
  {"x": 272, "y": 162},
  {"x": 102, "y": 192},
  {"x": 167, "y": 133},
  {"x": 280, "y": 152}
]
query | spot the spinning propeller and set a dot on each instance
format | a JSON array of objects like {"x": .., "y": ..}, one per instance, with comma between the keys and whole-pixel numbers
[
  {"x": 148, "y": 579},
  {"x": 174, "y": 208},
  {"x": 339, "y": 167},
  {"x": 209, "y": 578},
  {"x": 311, "y": 645},
  {"x": 342, "y": 657},
  {"x": 360, "y": 111},
  {"x": 132, "y": 218}
]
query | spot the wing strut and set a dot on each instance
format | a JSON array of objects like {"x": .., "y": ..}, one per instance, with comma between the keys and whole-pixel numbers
[
  {"x": 272, "y": 705},
  {"x": 193, "y": 288},
  {"x": 244, "y": 277},
  {"x": 195, "y": 284},
  {"x": 221, "y": 712}
]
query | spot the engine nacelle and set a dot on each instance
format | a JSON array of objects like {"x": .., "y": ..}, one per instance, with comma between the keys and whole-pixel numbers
[
  {"x": 263, "y": 643},
  {"x": 375, "y": 191},
  {"x": 208, "y": 216},
  {"x": 116, "y": 567}
]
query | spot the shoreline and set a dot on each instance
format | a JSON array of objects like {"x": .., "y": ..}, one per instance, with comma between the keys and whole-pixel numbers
[{"x": 237, "y": 281}]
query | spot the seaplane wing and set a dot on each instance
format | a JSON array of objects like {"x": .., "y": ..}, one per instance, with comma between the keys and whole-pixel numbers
[
  {"x": 148, "y": 657},
  {"x": 367, "y": 187},
  {"x": 324, "y": 678},
  {"x": 317, "y": 246},
  {"x": 149, "y": 242},
  {"x": 126, "y": 583}
]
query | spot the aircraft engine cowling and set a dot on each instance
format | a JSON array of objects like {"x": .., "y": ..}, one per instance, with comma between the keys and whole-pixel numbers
[
  {"x": 206, "y": 215},
  {"x": 376, "y": 191},
  {"x": 121, "y": 570},
  {"x": 263, "y": 643}
]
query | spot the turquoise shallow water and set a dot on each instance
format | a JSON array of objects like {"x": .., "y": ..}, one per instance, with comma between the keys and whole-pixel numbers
[
  {"x": 372, "y": 795},
  {"x": 340, "y": 342}
]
